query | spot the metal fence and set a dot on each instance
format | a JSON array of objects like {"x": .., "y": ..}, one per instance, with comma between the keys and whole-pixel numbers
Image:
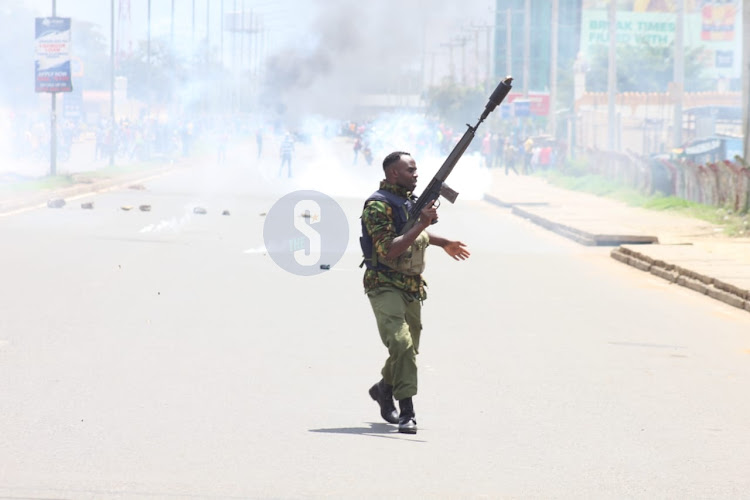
[{"x": 724, "y": 184}]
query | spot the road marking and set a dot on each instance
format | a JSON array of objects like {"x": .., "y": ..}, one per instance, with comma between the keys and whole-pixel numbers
[
  {"x": 260, "y": 249},
  {"x": 93, "y": 192},
  {"x": 22, "y": 210}
]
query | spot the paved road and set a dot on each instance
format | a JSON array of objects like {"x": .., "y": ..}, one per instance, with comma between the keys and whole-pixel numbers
[{"x": 162, "y": 354}]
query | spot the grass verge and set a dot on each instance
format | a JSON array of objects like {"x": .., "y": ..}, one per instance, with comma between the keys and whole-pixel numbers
[
  {"x": 732, "y": 224},
  {"x": 22, "y": 185}
]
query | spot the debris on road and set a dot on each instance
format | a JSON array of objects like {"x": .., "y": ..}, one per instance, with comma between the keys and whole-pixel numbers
[
  {"x": 225, "y": 212},
  {"x": 56, "y": 203},
  {"x": 262, "y": 214},
  {"x": 145, "y": 208},
  {"x": 88, "y": 205},
  {"x": 200, "y": 211},
  {"x": 325, "y": 266},
  {"x": 126, "y": 207}
]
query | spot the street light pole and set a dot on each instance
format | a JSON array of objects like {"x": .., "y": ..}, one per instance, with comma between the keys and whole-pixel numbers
[
  {"x": 208, "y": 33},
  {"x": 679, "y": 72},
  {"x": 746, "y": 81},
  {"x": 553, "y": 68},
  {"x": 526, "y": 47},
  {"x": 53, "y": 120},
  {"x": 171, "y": 28},
  {"x": 148, "y": 57},
  {"x": 148, "y": 35},
  {"x": 612, "y": 75},
  {"x": 508, "y": 42},
  {"x": 112, "y": 143}
]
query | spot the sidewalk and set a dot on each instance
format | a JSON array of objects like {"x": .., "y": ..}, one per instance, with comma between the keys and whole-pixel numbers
[{"x": 689, "y": 252}]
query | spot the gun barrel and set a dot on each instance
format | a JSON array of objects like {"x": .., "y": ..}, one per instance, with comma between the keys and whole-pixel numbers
[
  {"x": 498, "y": 95},
  {"x": 434, "y": 188}
]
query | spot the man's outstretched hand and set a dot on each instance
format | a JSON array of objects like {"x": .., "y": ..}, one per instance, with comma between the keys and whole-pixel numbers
[{"x": 457, "y": 250}]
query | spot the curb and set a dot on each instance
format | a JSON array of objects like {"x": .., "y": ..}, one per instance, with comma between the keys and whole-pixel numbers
[
  {"x": 570, "y": 232},
  {"x": 39, "y": 199},
  {"x": 714, "y": 288},
  {"x": 496, "y": 201}
]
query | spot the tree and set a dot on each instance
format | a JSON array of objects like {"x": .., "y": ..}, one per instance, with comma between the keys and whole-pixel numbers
[
  {"x": 454, "y": 103},
  {"x": 89, "y": 45},
  {"x": 17, "y": 88},
  {"x": 158, "y": 83}
]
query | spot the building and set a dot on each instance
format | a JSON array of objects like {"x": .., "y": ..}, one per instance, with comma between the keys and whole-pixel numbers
[{"x": 510, "y": 23}]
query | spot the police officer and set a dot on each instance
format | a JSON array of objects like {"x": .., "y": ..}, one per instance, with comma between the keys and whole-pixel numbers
[{"x": 393, "y": 282}]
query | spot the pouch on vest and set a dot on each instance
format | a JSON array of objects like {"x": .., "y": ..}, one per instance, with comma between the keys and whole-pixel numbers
[{"x": 412, "y": 261}]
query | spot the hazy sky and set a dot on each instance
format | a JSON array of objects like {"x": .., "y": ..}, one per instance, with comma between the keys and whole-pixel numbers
[
  {"x": 288, "y": 16},
  {"x": 324, "y": 54},
  {"x": 418, "y": 25}
]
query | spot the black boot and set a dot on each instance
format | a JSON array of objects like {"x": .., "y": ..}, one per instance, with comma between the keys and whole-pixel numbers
[
  {"x": 406, "y": 422},
  {"x": 382, "y": 393}
]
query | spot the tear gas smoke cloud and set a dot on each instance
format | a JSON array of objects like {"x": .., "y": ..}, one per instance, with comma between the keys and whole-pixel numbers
[
  {"x": 327, "y": 165},
  {"x": 321, "y": 58},
  {"x": 353, "y": 48}
]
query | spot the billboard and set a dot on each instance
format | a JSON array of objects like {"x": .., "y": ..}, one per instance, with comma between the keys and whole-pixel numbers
[
  {"x": 52, "y": 65},
  {"x": 536, "y": 103},
  {"x": 713, "y": 26}
]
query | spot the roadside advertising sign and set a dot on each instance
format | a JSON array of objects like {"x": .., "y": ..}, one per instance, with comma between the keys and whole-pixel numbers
[{"x": 52, "y": 65}]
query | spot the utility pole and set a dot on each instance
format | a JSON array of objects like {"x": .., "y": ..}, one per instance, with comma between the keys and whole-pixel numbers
[
  {"x": 612, "y": 74},
  {"x": 263, "y": 50},
  {"x": 679, "y": 71},
  {"x": 251, "y": 51},
  {"x": 488, "y": 48},
  {"x": 221, "y": 33},
  {"x": 222, "y": 88},
  {"x": 526, "y": 47},
  {"x": 148, "y": 56},
  {"x": 475, "y": 29},
  {"x": 257, "y": 53},
  {"x": 462, "y": 41},
  {"x": 113, "y": 140},
  {"x": 53, "y": 120},
  {"x": 432, "y": 69},
  {"x": 208, "y": 33},
  {"x": 241, "y": 64},
  {"x": 171, "y": 27},
  {"x": 553, "y": 68},
  {"x": 746, "y": 80},
  {"x": 451, "y": 64},
  {"x": 508, "y": 42},
  {"x": 235, "y": 96},
  {"x": 148, "y": 36}
]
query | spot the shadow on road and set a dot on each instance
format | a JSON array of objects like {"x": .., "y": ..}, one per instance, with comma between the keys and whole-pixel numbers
[{"x": 374, "y": 430}]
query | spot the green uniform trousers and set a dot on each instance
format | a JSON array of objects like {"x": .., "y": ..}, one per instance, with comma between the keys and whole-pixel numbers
[{"x": 398, "y": 315}]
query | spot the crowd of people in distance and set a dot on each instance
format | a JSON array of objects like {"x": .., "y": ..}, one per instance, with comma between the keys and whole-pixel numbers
[
  {"x": 160, "y": 138},
  {"x": 522, "y": 156},
  {"x": 514, "y": 152},
  {"x": 142, "y": 139}
]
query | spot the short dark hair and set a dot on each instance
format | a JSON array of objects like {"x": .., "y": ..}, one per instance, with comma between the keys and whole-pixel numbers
[{"x": 393, "y": 158}]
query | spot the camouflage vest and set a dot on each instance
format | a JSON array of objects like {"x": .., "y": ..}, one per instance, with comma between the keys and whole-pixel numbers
[{"x": 412, "y": 261}]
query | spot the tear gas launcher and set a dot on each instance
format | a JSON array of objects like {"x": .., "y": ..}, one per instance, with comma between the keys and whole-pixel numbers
[{"x": 437, "y": 186}]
